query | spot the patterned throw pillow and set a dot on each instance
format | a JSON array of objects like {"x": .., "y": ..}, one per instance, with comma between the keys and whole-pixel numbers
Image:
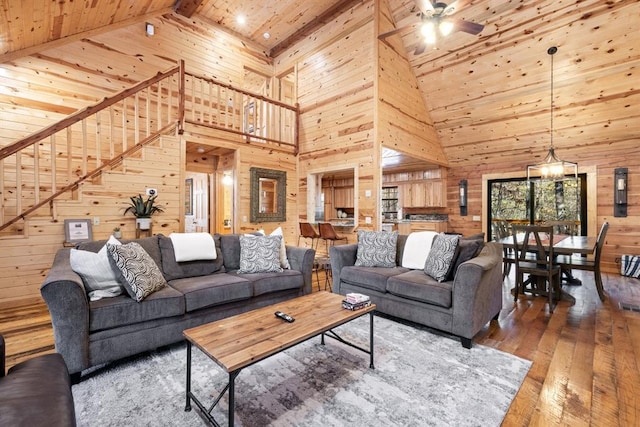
[
  {"x": 139, "y": 272},
  {"x": 440, "y": 257},
  {"x": 260, "y": 254},
  {"x": 376, "y": 249}
]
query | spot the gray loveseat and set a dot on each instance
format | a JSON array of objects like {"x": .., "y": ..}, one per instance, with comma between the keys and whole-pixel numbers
[
  {"x": 460, "y": 306},
  {"x": 89, "y": 333}
]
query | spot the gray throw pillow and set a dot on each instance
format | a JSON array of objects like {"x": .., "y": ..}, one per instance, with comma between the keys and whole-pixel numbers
[
  {"x": 139, "y": 273},
  {"x": 376, "y": 249},
  {"x": 440, "y": 258},
  {"x": 260, "y": 254},
  {"x": 467, "y": 249}
]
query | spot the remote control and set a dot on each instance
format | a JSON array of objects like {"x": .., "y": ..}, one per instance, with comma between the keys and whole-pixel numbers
[{"x": 284, "y": 316}]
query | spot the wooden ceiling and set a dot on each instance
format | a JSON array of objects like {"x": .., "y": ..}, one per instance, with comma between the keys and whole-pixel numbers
[
  {"x": 30, "y": 23},
  {"x": 488, "y": 95}
]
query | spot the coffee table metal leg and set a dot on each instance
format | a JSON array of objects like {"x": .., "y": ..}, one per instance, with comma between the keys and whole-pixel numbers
[
  {"x": 371, "y": 340},
  {"x": 232, "y": 391},
  {"x": 187, "y": 407}
]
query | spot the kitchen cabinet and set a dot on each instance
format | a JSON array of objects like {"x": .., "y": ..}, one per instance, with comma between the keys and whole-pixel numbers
[
  {"x": 343, "y": 197},
  {"x": 420, "y": 194}
]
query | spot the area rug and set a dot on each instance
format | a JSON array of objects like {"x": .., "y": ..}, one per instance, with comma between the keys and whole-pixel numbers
[{"x": 420, "y": 379}]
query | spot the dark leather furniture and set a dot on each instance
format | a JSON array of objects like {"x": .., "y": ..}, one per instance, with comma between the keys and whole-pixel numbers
[{"x": 36, "y": 392}]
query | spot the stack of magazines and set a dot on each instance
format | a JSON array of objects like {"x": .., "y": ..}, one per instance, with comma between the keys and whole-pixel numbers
[{"x": 355, "y": 301}]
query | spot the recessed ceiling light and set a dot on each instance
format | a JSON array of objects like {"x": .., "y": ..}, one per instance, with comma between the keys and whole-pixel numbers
[
  {"x": 241, "y": 19},
  {"x": 266, "y": 35}
]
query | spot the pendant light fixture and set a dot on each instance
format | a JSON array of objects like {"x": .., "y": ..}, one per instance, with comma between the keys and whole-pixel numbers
[{"x": 552, "y": 168}]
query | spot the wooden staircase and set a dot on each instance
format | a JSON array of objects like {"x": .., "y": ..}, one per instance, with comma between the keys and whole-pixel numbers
[{"x": 49, "y": 171}]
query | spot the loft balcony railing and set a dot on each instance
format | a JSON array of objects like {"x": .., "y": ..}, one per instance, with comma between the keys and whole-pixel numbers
[{"x": 52, "y": 163}]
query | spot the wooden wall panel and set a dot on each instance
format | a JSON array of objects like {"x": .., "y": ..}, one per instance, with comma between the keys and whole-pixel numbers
[
  {"x": 250, "y": 155},
  {"x": 25, "y": 261}
]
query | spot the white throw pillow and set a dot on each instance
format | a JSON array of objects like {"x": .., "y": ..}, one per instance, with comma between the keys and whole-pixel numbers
[
  {"x": 193, "y": 246},
  {"x": 417, "y": 248},
  {"x": 284, "y": 261},
  {"x": 99, "y": 278}
]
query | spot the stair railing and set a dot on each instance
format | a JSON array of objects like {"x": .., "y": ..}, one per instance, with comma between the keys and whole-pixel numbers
[{"x": 53, "y": 162}]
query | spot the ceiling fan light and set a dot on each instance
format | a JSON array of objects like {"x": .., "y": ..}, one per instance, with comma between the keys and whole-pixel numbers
[
  {"x": 445, "y": 27},
  {"x": 429, "y": 32}
]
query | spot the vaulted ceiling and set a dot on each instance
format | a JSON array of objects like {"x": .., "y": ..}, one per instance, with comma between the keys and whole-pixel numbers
[{"x": 488, "y": 94}]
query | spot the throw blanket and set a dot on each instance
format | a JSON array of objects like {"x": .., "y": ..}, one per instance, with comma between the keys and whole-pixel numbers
[
  {"x": 193, "y": 246},
  {"x": 417, "y": 248}
]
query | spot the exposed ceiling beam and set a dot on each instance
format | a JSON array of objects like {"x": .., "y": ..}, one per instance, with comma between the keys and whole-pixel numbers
[
  {"x": 187, "y": 7},
  {"x": 313, "y": 25}
]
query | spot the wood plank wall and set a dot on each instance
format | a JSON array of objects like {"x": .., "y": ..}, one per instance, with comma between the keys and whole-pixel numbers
[
  {"x": 335, "y": 80},
  {"x": 25, "y": 260},
  {"x": 45, "y": 87}
]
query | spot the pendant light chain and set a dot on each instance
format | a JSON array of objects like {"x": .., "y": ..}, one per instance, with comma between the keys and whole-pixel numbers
[{"x": 551, "y": 51}]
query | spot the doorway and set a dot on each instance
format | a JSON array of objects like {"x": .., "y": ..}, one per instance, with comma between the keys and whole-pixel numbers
[
  {"x": 196, "y": 214},
  {"x": 210, "y": 189}
]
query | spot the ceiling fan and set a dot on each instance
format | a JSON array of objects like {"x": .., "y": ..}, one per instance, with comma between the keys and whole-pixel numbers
[{"x": 435, "y": 17}]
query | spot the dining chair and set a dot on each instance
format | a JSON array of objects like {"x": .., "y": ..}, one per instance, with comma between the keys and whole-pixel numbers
[
  {"x": 308, "y": 232},
  {"x": 570, "y": 262},
  {"x": 500, "y": 231},
  {"x": 543, "y": 271},
  {"x": 328, "y": 234},
  {"x": 570, "y": 228}
]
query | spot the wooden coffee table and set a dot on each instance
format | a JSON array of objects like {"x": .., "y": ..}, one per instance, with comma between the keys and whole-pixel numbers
[{"x": 240, "y": 341}]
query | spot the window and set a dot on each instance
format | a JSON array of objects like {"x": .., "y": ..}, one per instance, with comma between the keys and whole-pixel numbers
[{"x": 516, "y": 200}]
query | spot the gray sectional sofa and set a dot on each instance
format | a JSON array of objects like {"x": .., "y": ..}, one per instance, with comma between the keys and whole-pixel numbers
[
  {"x": 460, "y": 306},
  {"x": 89, "y": 333}
]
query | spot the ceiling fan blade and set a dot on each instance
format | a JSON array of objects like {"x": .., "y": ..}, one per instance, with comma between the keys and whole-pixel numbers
[
  {"x": 468, "y": 27},
  {"x": 404, "y": 29},
  {"x": 455, "y": 6},
  {"x": 426, "y": 7},
  {"x": 420, "y": 48}
]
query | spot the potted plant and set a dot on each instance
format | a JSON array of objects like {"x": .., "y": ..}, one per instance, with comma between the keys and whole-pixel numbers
[
  {"x": 143, "y": 209},
  {"x": 117, "y": 233}
]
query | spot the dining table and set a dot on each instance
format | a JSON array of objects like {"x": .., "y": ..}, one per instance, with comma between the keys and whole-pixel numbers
[{"x": 563, "y": 245}]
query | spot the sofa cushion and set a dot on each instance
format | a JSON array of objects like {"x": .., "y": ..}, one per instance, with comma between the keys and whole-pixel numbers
[
  {"x": 215, "y": 289},
  {"x": 467, "y": 249},
  {"x": 122, "y": 311},
  {"x": 260, "y": 254},
  {"x": 374, "y": 278},
  {"x": 440, "y": 259},
  {"x": 264, "y": 283},
  {"x": 376, "y": 249},
  {"x": 99, "y": 277},
  {"x": 149, "y": 244},
  {"x": 418, "y": 286},
  {"x": 178, "y": 270},
  {"x": 136, "y": 270}
]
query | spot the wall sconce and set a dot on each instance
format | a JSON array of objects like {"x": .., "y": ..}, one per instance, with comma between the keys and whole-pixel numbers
[
  {"x": 463, "y": 197},
  {"x": 620, "y": 192},
  {"x": 149, "y": 29}
]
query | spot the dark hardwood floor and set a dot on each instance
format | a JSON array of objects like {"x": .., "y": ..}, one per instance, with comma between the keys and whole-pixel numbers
[{"x": 586, "y": 355}]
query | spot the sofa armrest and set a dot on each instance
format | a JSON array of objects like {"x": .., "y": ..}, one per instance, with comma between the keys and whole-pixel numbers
[
  {"x": 341, "y": 256},
  {"x": 302, "y": 259},
  {"x": 68, "y": 304},
  {"x": 477, "y": 291}
]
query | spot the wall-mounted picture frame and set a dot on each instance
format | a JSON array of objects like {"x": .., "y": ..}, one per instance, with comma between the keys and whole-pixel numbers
[
  {"x": 188, "y": 196},
  {"x": 77, "y": 230}
]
